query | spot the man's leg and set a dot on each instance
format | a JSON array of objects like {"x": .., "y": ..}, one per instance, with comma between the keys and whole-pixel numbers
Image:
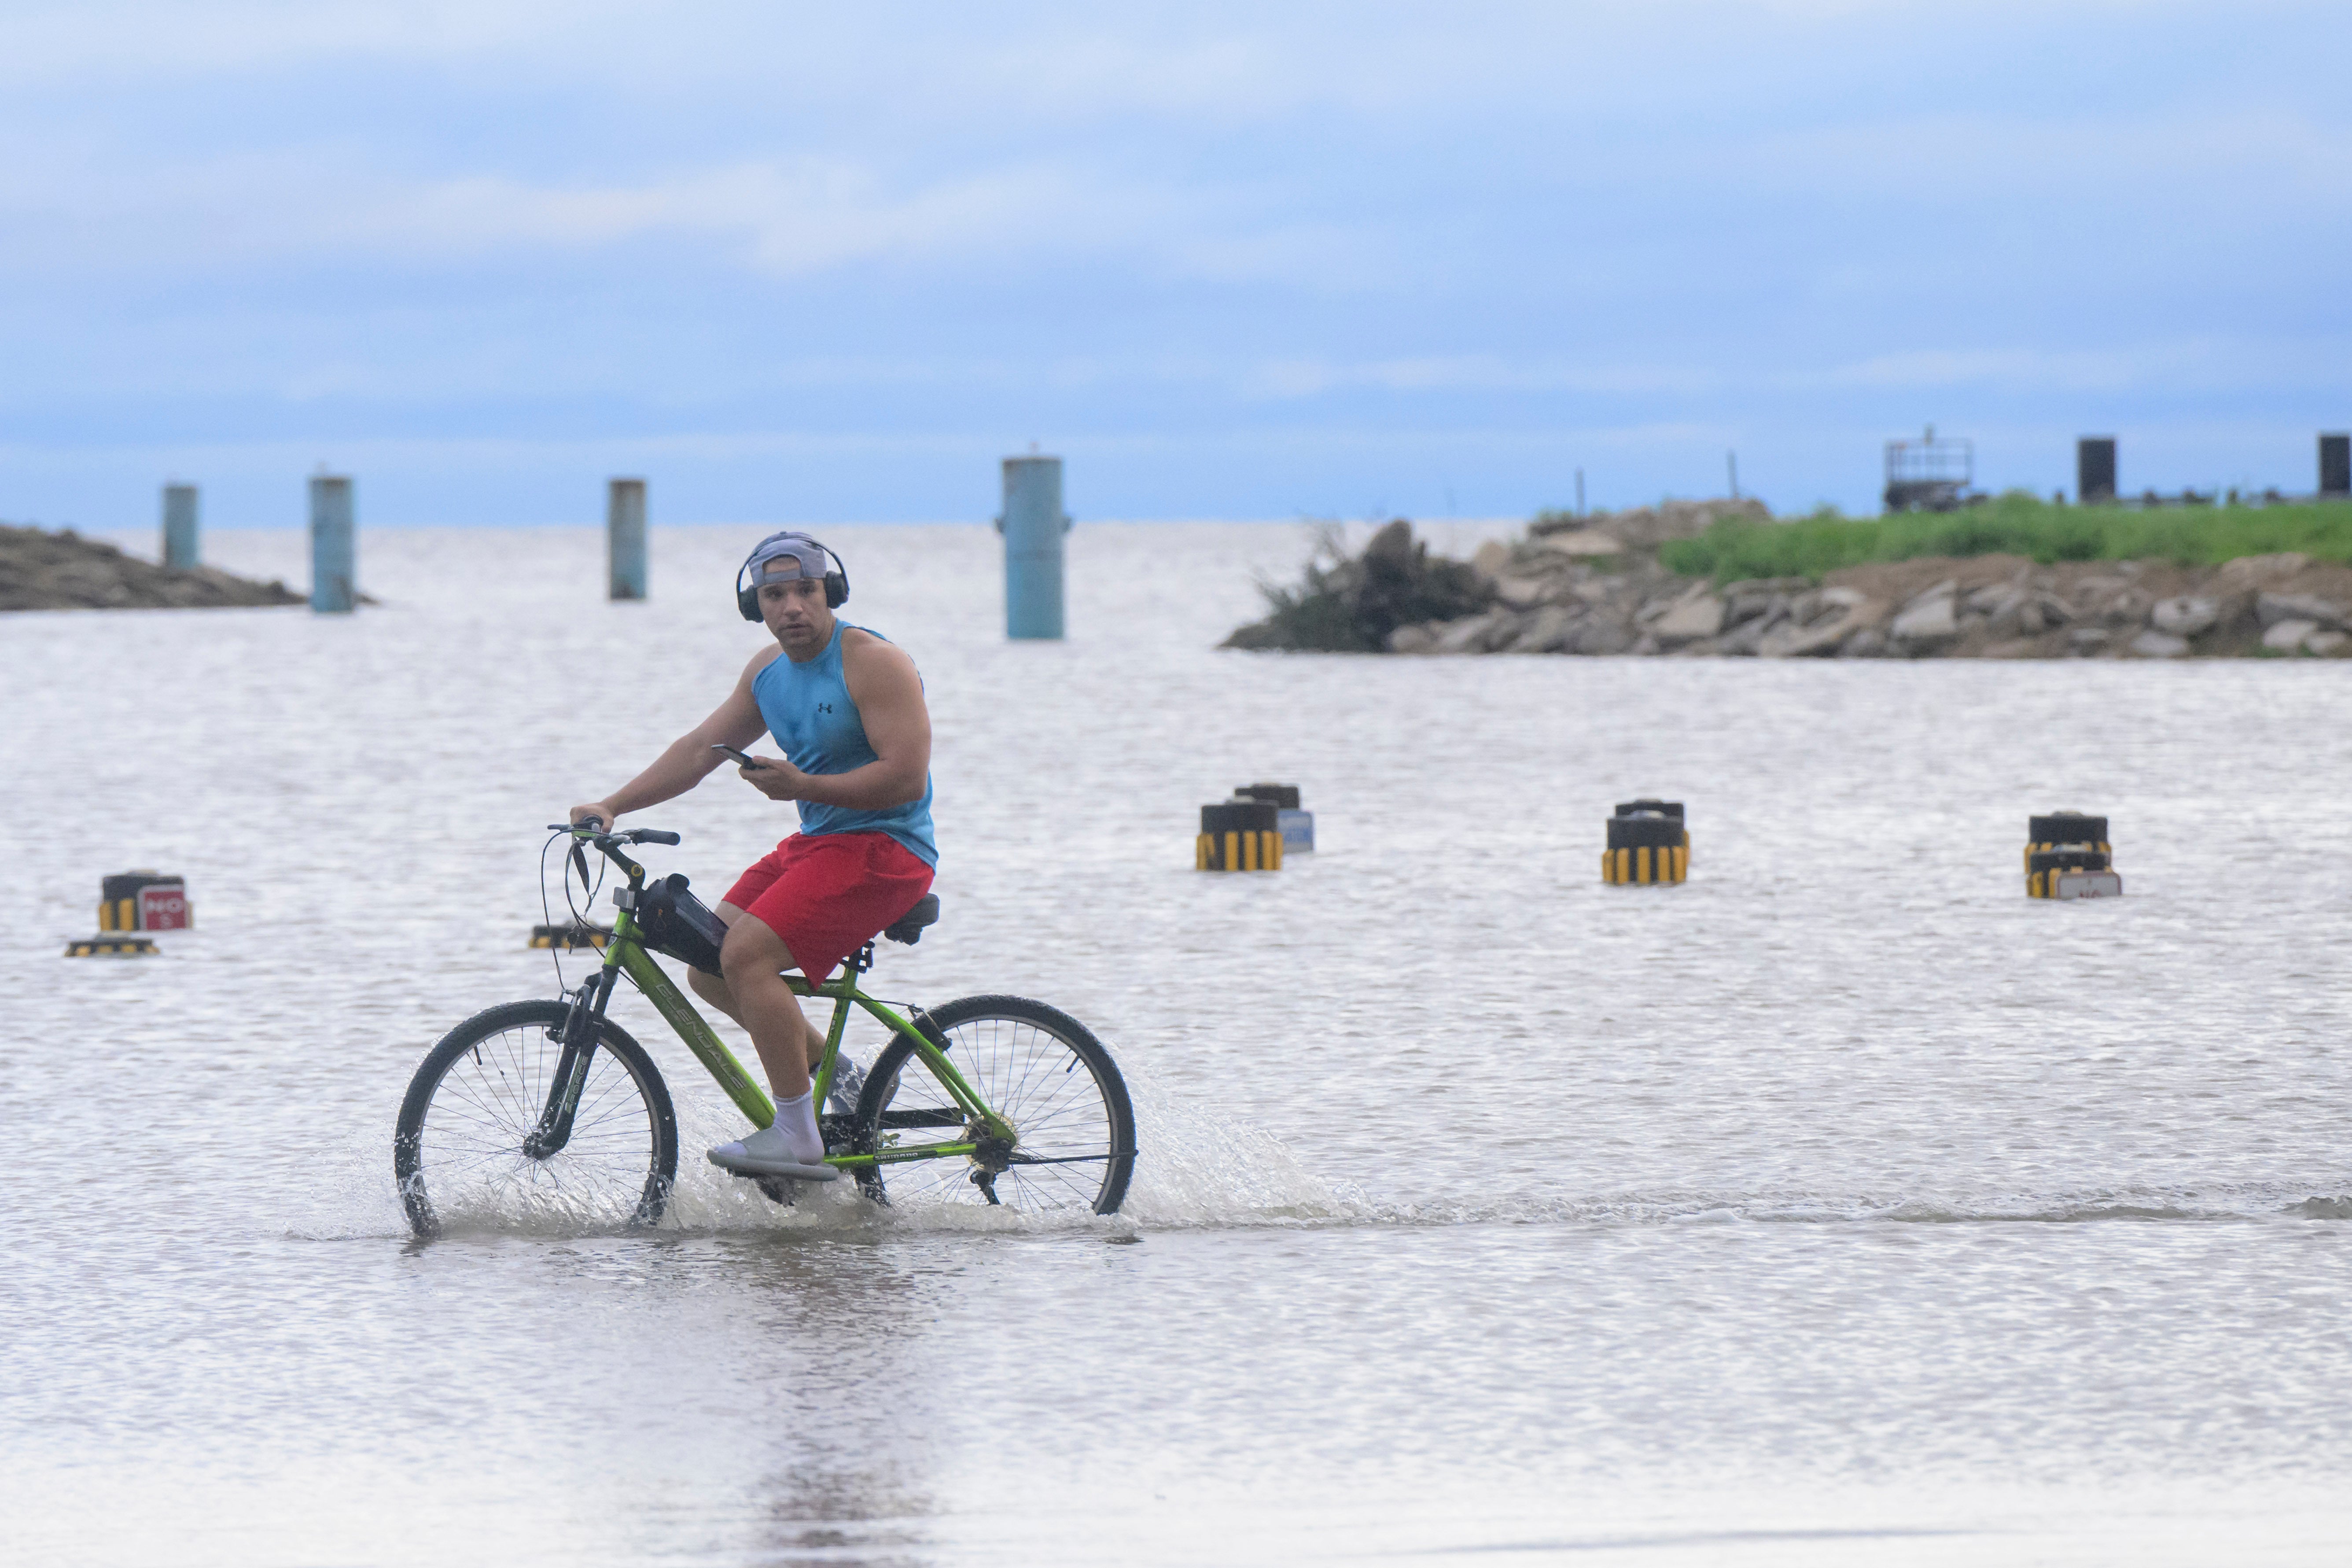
[
  {"x": 714, "y": 989},
  {"x": 753, "y": 961}
]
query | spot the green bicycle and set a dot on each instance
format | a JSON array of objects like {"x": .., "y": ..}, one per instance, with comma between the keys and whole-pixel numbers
[{"x": 548, "y": 1108}]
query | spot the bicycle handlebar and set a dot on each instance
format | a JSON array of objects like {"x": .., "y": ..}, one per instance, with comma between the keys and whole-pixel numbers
[{"x": 592, "y": 829}]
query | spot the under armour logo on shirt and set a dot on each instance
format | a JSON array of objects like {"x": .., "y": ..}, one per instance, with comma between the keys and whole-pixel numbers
[{"x": 824, "y": 707}]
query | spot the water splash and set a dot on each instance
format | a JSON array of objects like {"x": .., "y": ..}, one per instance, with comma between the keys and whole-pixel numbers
[{"x": 1199, "y": 1169}]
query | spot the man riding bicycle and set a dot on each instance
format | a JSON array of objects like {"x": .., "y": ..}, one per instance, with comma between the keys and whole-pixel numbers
[{"x": 845, "y": 705}]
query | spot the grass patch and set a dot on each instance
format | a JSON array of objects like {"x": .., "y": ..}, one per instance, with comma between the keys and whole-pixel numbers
[{"x": 2013, "y": 524}]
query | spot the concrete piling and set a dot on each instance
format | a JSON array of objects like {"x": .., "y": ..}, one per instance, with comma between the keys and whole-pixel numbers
[
  {"x": 1032, "y": 525},
  {"x": 335, "y": 547},
  {"x": 2095, "y": 470},
  {"x": 181, "y": 552},
  {"x": 625, "y": 539}
]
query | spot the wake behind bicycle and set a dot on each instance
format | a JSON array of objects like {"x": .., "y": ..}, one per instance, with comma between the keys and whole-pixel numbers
[{"x": 549, "y": 1110}]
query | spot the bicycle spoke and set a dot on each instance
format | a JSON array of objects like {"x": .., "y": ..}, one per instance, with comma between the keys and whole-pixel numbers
[
  {"x": 469, "y": 1159},
  {"x": 1070, "y": 1149}
]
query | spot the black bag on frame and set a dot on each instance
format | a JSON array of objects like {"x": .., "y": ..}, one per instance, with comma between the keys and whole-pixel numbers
[{"x": 677, "y": 923}]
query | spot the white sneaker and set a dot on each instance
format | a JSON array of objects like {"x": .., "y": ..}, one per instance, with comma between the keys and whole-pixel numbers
[
  {"x": 848, "y": 1083},
  {"x": 768, "y": 1153}
]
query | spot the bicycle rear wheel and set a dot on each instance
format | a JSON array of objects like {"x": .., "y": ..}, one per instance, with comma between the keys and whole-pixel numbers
[
  {"x": 1037, "y": 1066},
  {"x": 458, "y": 1152}
]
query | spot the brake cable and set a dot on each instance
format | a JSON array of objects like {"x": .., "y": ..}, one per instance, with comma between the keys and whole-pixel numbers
[
  {"x": 590, "y": 886},
  {"x": 547, "y": 910}
]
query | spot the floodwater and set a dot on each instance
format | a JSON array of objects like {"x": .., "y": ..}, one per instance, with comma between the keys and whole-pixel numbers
[{"x": 1841, "y": 1207}]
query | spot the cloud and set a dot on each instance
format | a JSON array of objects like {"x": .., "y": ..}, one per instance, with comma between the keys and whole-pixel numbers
[
  {"x": 2261, "y": 154},
  {"x": 2200, "y": 363},
  {"x": 783, "y": 217},
  {"x": 786, "y": 218},
  {"x": 1321, "y": 146},
  {"x": 1277, "y": 380},
  {"x": 94, "y": 41},
  {"x": 515, "y": 218},
  {"x": 2206, "y": 363}
]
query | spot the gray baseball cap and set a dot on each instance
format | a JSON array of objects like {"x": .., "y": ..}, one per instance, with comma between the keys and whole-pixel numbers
[{"x": 806, "y": 555}]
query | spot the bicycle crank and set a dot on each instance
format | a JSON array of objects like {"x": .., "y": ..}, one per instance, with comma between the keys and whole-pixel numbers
[{"x": 991, "y": 1158}]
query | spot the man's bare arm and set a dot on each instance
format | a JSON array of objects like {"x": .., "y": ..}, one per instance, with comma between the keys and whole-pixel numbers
[
  {"x": 890, "y": 696},
  {"x": 689, "y": 759}
]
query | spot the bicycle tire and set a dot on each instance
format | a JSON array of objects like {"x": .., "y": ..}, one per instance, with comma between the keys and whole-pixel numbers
[
  {"x": 470, "y": 1162},
  {"x": 1021, "y": 1058}
]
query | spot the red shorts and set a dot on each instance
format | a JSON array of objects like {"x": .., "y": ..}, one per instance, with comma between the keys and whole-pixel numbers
[{"x": 829, "y": 894}]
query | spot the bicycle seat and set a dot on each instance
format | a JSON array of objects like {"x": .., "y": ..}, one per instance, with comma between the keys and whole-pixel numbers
[{"x": 909, "y": 928}]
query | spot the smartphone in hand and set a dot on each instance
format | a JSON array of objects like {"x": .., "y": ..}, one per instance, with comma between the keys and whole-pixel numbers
[{"x": 748, "y": 762}]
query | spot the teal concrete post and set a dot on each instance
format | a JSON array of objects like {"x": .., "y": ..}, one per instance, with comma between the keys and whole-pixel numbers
[
  {"x": 625, "y": 539},
  {"x": 334, "y": 552},
  {"x": 180, "y": 552},
  {"x": 1033, "y": 526}
]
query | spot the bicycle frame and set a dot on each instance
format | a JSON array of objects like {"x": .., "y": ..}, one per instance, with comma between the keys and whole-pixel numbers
[{"x": 626, "y": 954}]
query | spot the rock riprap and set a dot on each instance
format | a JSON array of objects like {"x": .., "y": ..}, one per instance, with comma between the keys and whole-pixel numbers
[
  {"x": 1595, "y": 586},
  {"x": 62, "y": 570}
]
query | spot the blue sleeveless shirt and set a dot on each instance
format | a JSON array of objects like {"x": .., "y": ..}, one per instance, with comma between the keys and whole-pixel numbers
[{"x": 809, "y": 712}]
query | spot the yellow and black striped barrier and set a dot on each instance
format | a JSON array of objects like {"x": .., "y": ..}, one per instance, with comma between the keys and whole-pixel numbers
[
  {"x": 1239, "y": 836},
  {"x": 112, "y": 944},
  {"x": 1648, "y": 845},
  {"x": 569, "y": 937},
  {"x": 142, "y": 900},
  {"x": 131, "y": 903},
  {"x": 2064, "y": 830},
  {"x": 2067, "y": 857},
  {"x": 2076, "y": 873}
]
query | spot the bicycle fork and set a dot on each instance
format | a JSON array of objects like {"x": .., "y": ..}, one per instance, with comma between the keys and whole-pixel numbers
[{"x": 570, "y": 1077}]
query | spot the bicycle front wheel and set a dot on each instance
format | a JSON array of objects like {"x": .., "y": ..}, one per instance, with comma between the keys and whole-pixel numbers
[
  {"x": 1034, "y": 1066},
  {"x": 469, "y": 1147}
]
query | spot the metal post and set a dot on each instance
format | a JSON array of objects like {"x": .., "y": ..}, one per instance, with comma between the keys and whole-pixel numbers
[
  {"x": 1579, "y": 492},
  {"x": 334, "y": 549},
  {"x": 180, "y": 552},
  {"x": 2335, "y": 468},
  {"x": 1033, "y": 526},
  {"x": 1731, "y": 461},
  {"x": 2095, "y": 470},
  {"x": 624, "y": 537}
]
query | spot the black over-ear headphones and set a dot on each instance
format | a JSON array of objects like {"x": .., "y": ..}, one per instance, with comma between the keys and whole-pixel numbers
[{"x": 837, "y": 583}]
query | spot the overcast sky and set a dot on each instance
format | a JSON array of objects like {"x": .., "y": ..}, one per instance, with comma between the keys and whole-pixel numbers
[{"x": 808, "y": 263}]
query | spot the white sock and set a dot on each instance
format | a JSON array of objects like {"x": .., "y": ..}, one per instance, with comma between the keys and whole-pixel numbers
[{"x": 796, "y": 1119}]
